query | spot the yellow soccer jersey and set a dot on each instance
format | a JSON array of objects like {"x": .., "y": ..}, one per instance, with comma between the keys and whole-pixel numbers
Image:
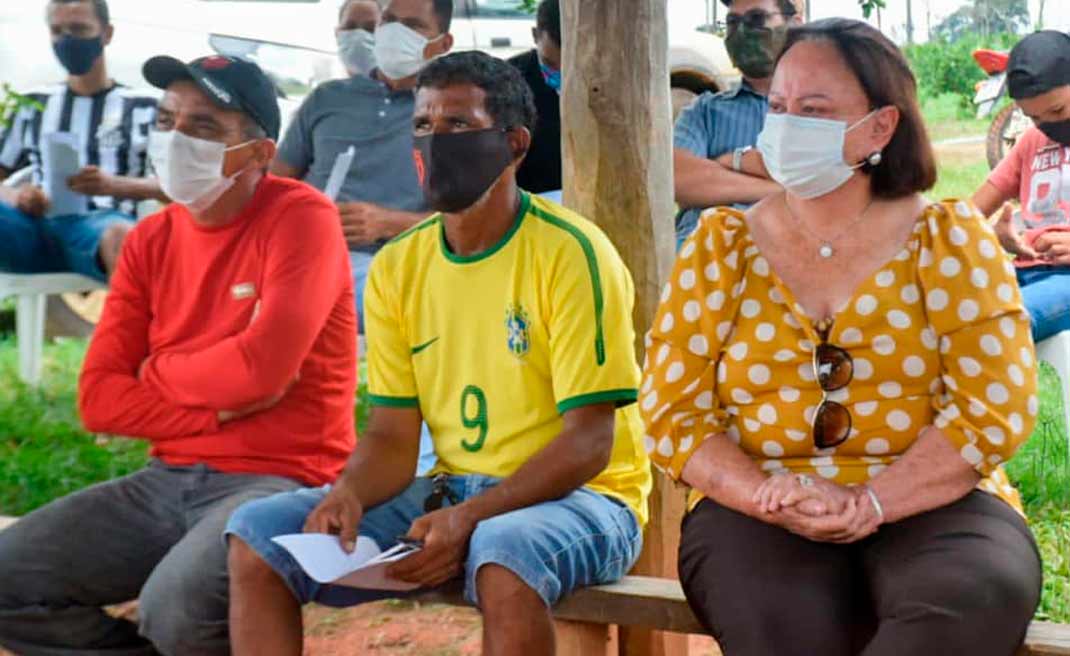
[{"x": 496, "y": 347}]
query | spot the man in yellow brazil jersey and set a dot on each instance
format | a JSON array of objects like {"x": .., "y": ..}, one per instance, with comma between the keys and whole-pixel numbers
[{"x": 504, "y": 322}]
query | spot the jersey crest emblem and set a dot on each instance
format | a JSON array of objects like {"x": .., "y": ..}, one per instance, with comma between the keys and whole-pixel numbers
[{"x": 517, "y": 324}]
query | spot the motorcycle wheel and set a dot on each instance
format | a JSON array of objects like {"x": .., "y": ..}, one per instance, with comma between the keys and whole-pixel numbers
[{"x": 1003, "y": 133}]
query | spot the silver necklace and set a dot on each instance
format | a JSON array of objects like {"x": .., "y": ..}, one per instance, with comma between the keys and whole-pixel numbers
[{"x": 825, "y": 249}]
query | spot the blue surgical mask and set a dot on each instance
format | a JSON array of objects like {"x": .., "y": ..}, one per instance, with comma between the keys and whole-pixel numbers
[
  {"x": 552, "y": 76},
  {"x": 78, "y": 55}
]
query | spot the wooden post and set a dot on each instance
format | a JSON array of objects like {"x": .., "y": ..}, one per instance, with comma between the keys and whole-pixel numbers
[{"x": 617, "y": 149}]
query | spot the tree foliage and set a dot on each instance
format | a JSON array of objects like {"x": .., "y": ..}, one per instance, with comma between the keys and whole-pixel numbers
[
  {"x": 11, "y": 102},
  {"x": 985, "y": 17},
  {"x": 948, "y": 67}
]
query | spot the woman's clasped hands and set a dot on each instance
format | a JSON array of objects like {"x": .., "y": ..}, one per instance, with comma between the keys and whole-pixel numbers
[{"x": 817, "y": 509}]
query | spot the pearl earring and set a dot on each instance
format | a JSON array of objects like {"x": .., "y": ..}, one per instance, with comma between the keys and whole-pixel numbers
[{"x": 875, "y": 159}]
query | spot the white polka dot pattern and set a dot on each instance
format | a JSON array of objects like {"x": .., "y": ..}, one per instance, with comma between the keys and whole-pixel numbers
[{"x": 937, "y": 336}]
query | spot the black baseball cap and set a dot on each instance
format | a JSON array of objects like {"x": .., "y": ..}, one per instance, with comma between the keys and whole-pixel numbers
[
  {"x": 231, "y": 82},
  {"x": 1039, "y": 63}
]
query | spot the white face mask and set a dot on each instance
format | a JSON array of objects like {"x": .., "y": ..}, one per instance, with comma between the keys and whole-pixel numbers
[
  {"x": 399, "y": 50},
  {"x": 356, "y": 49},
  {"x": 805, "y": 155},
  {"x": 190, "y": 170}
]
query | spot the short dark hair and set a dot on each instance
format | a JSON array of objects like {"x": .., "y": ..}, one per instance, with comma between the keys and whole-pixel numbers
[
  {"x": 443, "y": 10},
  {"x": 787, "y": 7},
  {"x": 345, "y": 7},
  {"x": 508, "y": 98},
  {"x": 908, "y": 165},
  {"x": 100, "y": 8},
  {"x": 548, "y": 19}
]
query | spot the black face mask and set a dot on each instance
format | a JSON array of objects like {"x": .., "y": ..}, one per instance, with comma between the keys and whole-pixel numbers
[
  {"x": 78, "y": 55},
  {"x": 1059, "y": 132},
  {"x": 457, "y": 168}
]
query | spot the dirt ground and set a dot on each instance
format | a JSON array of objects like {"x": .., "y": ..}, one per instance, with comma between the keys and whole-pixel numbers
[{"x": 403, "y": 629}]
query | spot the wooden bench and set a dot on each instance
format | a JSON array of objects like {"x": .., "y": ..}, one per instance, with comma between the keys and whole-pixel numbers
[{"x": 586, "y": 619}]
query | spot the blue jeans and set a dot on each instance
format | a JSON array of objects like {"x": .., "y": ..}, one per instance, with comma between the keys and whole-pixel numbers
[
  {"x": 555, "y": 547},
  {"x": 359, "y": 263},
  {"x": 1046, "y": 293},
  {"x": 54, "y": 245}
]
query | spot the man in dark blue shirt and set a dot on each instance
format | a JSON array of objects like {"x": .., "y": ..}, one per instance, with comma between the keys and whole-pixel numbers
[{"x": 541, "y": 68}]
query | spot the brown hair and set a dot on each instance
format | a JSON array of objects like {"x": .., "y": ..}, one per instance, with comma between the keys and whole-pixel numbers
[{"x": 908, "y": 165}]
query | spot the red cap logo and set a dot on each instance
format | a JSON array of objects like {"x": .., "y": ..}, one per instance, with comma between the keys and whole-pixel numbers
[
  {"x": 214, "y": 63},
  {"x": 421, "y": 169}
]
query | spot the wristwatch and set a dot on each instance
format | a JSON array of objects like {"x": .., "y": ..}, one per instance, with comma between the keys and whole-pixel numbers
[{"x": 737, "y": 157}]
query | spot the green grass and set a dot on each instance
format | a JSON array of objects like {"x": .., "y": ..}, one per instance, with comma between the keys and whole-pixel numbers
[
  {"x": 44, "y": 453},
  {"x": 947, "y": 119},
  {"x": 960, "y": 181}
]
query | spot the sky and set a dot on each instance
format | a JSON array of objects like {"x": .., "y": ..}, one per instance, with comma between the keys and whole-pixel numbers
[{"x": 893, "y": 19}]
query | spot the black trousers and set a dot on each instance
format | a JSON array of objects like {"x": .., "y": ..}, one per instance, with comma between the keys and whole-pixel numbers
[{"x": 962, "y": 580}]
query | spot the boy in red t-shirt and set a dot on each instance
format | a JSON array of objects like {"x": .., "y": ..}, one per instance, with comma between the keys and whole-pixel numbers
[
  {"x": 1037, "y": 173},
  {"x": 229, "y": 343}
]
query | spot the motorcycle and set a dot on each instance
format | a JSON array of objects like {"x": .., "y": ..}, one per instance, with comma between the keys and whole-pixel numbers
[{"x": 1010, "y": 122}]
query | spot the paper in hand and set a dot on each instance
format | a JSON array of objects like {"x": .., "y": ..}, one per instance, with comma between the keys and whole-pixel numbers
[
  {"x": 339, "y": 172},
  {"x": 60, "y": 160},
  {"x": 324, "y": 560}
]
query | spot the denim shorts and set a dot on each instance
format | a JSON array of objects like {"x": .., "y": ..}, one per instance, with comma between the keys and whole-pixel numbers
[
  {"x": 57, "y": 244},
  {"x": 557, "y": 546},
  {"x": 1046, "y": 294}
]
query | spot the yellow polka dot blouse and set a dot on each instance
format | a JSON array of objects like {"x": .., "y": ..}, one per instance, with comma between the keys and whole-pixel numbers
[{"x": 938, "y": 336}]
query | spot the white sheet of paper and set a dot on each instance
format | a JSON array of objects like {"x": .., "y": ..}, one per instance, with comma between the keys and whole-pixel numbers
[
  {"x": 339, "y": 172},
  {"x": 60, "y": 160},
  {"x": 324, "y": 560}
]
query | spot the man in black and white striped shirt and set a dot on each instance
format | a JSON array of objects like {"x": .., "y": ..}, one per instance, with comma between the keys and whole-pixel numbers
[{"x": 109, "y": 124}]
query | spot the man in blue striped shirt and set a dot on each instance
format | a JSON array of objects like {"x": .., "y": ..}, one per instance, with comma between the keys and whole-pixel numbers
[
  {"x": 109, "y": 125},
  {"x": 729, "y": 122}
]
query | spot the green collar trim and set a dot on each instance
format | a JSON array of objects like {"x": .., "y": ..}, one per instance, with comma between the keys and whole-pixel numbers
[{"x": 525, "y": 205}]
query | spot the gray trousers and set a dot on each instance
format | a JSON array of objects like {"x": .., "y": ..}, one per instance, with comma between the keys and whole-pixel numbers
[{"x": 155, "y": 536}]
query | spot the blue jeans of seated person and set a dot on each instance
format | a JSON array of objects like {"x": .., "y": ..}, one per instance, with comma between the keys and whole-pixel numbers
[
  {"x": 1046, "y": 293},
  {"x": 557, "y": 546},
  {"x": 55, "y": 245},
  {"x": 359, "y": 263}
]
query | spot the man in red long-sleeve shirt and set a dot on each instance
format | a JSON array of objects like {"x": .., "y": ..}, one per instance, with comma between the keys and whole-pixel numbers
[{"x": 229, "y": 342}]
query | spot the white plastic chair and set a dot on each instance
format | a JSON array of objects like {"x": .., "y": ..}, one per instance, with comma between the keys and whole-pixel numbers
[
  {"x": 1055, "y": 350},
  {"x": 31, "y": 291}
]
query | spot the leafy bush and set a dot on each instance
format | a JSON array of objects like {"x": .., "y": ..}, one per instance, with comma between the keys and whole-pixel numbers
[{"x": 943, "y": 67}]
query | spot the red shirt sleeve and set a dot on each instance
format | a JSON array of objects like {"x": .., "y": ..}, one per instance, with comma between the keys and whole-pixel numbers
[
  {"x": 111, "y": 399},
  {"x": 305, "y": 272}
]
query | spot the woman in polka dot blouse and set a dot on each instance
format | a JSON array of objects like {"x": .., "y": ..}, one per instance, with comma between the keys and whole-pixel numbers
[{"x": 838, "y": 374}]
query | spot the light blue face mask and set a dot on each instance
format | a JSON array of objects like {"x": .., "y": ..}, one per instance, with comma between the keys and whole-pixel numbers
[
  {"x": 552, "y": 76},
  {"x": 805, "y": 155},
  {"x": 356, "y": 49}
]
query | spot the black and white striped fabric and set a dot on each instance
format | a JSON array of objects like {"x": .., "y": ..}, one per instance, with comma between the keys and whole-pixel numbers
[{"x": 112, "y": 128}]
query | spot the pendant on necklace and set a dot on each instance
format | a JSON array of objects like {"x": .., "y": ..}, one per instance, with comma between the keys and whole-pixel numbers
[{"x": 825, "y": 251}]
